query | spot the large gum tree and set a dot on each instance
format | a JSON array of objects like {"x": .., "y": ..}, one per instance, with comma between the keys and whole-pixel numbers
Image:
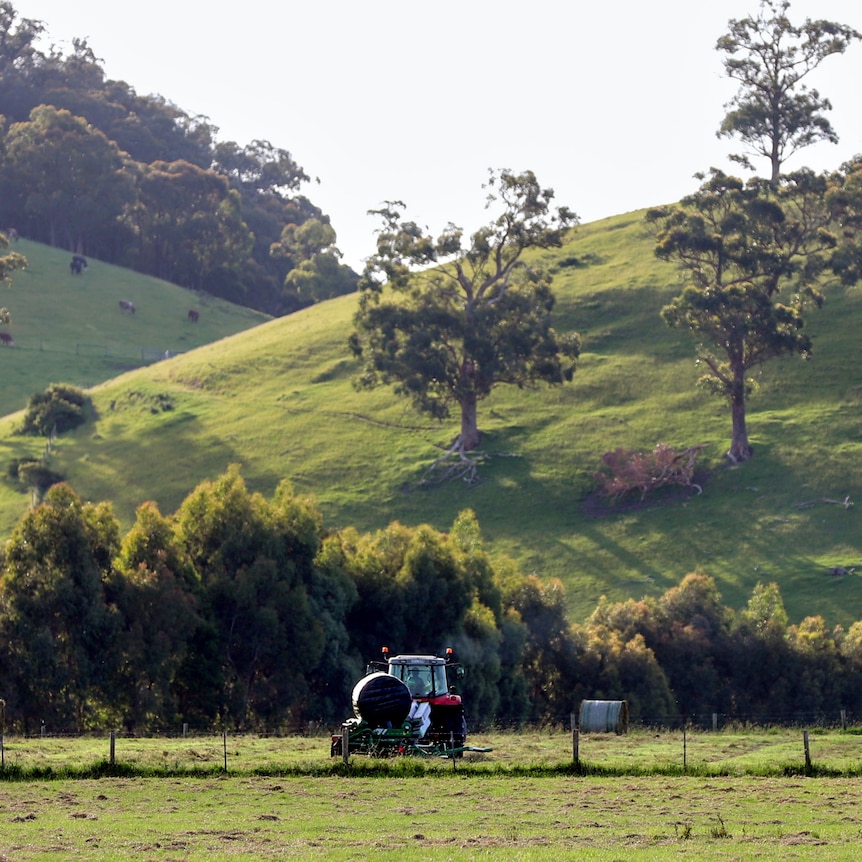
[
  {"x": 445, "y": 320},
  {"x": 753, "y": 255},
  {"x": 775, "y": 113}
]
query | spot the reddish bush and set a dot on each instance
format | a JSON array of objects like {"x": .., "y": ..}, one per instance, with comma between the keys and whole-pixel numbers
[{"x": 646, "y": 471}]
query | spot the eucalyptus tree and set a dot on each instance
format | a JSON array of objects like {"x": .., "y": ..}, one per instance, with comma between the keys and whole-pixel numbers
[
  {"x": 189, "y": 224},
  {"x": 65, "y": 179},
  {"x": 754, "y": 255},
  {"x": 774, "y": 113},
  {"x": 274, "y": 616},
  {"x": 445, "y": 321},
  {"x": 57, "y": 629},
  {"x": 156, "y": 595},
  {"x": 9, "y": 262},
  {"x": 845, "y": 198},
  {"x": 19, "y": 60},
  {"x": 317, "y": 272}
]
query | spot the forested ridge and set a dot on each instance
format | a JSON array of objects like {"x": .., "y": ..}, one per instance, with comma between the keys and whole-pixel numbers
[{"x": 90, "y": 165}]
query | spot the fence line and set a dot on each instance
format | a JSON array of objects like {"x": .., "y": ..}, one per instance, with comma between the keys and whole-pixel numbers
[
  {"x": 144, "y": 354},
  {"x": 750, "y": 751},
  {"x": 841, "y": 719}
]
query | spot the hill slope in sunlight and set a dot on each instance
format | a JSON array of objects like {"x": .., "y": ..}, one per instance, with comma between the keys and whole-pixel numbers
[{"x": 278, "y": 400}]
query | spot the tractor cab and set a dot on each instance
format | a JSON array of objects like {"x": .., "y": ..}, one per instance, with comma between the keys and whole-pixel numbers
[
  {"x": 425, "y": 676},
  {"x": 428, "y": 677}
]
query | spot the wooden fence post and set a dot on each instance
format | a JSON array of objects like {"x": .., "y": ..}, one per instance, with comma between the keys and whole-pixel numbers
[
  {"x": 807, "y": 750},
  {"x": 684, "y": 748},
  {"x": 345, "y": 745},
  {"x": 576, "y": 742},
  {"x": 113, "y": 746}
]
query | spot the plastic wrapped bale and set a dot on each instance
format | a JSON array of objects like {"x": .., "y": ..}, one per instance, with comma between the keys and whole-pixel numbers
[
  {"x": 604, "y": 716},
  {"x": 381, "y": 700}
]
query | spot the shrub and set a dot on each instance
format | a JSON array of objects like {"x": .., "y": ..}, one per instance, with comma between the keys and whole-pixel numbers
[
  {"x": 646, "y": 471},
  {"x": 59, "y": 408},
  {"x": 34, "y": 474}
]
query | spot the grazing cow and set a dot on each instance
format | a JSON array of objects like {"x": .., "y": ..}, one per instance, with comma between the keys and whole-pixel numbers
[
  {"x": 78, "y": 265},
  {"x": 193, "y": 315},
  {"x": 127, "y": 305},
  {"x": 6, "y": 338}
]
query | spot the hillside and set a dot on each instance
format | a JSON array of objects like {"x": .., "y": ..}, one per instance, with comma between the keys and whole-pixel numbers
[
  {"x": 70, "y": 327},
  {"x": 278, "y": 400}
]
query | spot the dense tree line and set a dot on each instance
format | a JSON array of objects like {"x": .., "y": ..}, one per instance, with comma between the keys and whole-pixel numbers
[
  {"x": 88, "y": 164},
  {"x": 250, "y": 612}
]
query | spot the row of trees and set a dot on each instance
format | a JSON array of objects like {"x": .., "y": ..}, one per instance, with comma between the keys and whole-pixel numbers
[
  {"x": 248, "y": 611},
  {"x": 88, "y": 164}
]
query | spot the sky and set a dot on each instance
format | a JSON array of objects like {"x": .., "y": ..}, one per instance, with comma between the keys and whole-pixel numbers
[{"x": 613, "y": 105}]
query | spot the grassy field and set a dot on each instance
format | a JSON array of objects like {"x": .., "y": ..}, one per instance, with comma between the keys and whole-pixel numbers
[
  {"x": 70, "y": 329},
  {"x": 516, "y": 803},
  {"x": 737, "y": 751},
  {"x": 278, "y": 400}
]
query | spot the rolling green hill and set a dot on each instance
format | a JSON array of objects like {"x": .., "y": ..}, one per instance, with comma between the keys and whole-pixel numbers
[
  {"x": 71, "y": 327},
  {"x": 278, "y": 400}
]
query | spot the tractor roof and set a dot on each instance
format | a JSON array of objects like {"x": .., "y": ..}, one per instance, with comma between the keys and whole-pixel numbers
[{"x": 416, "y": 659}]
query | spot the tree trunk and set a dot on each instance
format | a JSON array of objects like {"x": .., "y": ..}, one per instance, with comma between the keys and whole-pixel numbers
[
  {"x": 740, "y": 449},
  {"x": 469, "y": 438}
]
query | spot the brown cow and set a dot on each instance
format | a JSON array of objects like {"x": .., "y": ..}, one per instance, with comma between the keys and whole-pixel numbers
[
  {"x": 7, "y": 339},
  {"x": 127, "y": 305},
  {"x": 193, "y": 315}
]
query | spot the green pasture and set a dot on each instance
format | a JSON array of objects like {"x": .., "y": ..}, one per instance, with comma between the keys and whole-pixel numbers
[
  {"x": 283, "y": 798},
  {"x": 278, "y": 400},
  {"x": 69, "y": 328}
]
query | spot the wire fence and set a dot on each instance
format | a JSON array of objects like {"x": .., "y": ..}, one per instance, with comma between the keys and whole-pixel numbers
[
  {"x": 641, "y": 750},
  {"x": 139, "y": 354},
  {"x": 834, "y": 719}
]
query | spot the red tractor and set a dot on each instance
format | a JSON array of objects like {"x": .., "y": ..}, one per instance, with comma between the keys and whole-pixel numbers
[{"x": 406, "y": 704}]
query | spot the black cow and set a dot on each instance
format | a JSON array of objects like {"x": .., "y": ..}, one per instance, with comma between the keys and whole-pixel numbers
[{"x": 78, "y": 264}]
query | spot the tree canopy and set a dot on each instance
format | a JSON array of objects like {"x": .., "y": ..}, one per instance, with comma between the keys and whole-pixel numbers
[
  {"x": 88, "y": 164},
  {"x": 9, "y": 260},
  {"x": 754, "y": 254},
  {"x": 65, "y": 177},
  {"x": 774, "y": 113},
  {"x": 445, "y": 320}
]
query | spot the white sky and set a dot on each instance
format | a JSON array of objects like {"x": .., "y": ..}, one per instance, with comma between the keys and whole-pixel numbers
[{"x": 613, "y": 105}]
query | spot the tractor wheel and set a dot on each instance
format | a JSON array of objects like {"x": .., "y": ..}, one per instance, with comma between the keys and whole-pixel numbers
[{"x": 451, "y": 730}]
